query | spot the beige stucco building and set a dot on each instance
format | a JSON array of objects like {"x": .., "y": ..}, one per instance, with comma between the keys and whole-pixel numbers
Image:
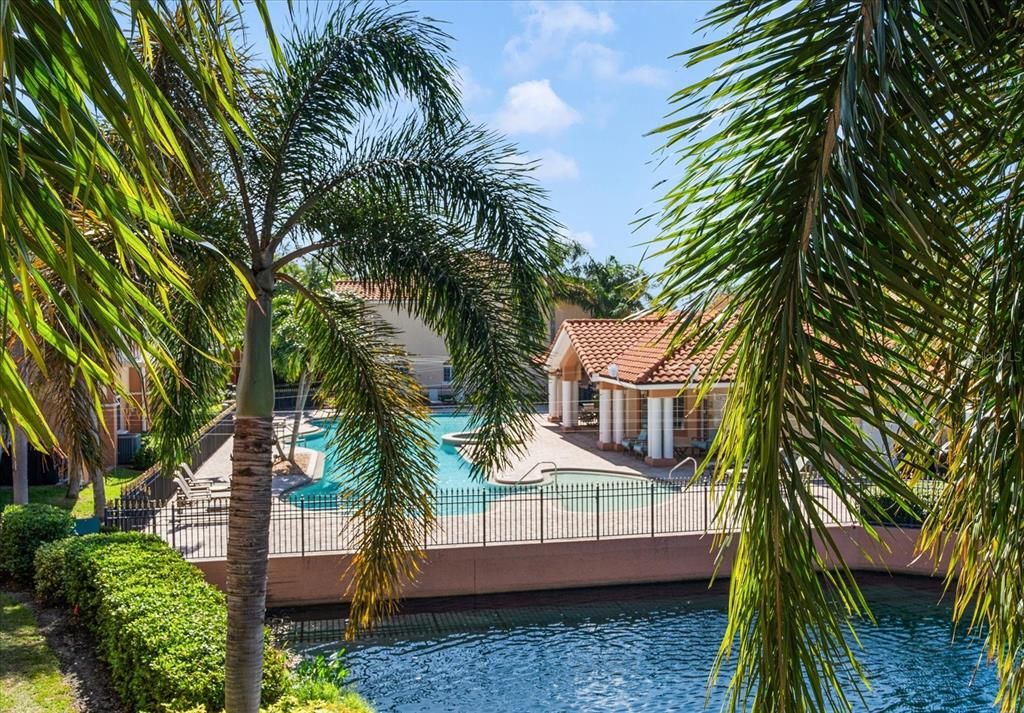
[{"x": 429, "y": 358}]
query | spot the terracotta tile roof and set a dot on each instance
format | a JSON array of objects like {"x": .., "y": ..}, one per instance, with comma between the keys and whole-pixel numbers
[
  {"x": 639, "y": 349},
  {"x": 364, "y": 290},
  {"x": 599, "y": 341}
]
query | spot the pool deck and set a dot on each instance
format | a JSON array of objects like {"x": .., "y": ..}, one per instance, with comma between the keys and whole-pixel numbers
[
  {"x": 577, "y": 450},
  {"x": 574, "y": 450}
]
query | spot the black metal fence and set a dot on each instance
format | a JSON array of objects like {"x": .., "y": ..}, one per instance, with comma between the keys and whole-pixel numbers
[{"x": 466, "y": 517}]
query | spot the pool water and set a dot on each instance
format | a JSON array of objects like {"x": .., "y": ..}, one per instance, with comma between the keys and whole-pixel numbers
[
  {"x": 641, "y": 649},
  {"x": 454, "y": 472}
]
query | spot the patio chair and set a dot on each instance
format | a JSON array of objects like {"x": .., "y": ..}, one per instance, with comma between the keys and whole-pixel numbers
[
  {"x": 189, "y": 495},
  {"x": 217, "y": 486},
  {"x": 637, "y": 445}
]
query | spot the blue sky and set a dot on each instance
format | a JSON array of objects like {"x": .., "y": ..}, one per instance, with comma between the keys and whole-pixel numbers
[{"x": 576, "y": 85}]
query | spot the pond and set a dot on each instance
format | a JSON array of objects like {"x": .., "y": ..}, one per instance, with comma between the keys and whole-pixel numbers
[{"x": 643, "y": 648}]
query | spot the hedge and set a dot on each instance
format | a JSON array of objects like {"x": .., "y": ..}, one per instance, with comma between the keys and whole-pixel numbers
[
  {"x": 23, "y": 528},
  {"x": 157, "y": 623},
  {"x": 884, "y": 510},
  {"x": 347, "y": 702}
]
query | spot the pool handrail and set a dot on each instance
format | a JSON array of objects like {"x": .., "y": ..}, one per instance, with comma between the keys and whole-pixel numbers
[
  {"x": 681, "y": 463},
  {"x": 534, "y": 467}
]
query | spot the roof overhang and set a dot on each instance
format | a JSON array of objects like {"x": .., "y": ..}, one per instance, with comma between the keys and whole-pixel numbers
[
  {"x": 561, "y": 347},
  {"x": 652, "y": 387}
]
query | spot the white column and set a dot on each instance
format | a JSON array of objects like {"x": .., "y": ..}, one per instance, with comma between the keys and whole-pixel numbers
[
  {"x": 618, "y": 416},
  {"x": 668, "y": 440},
  {"x": 574, "y": 403},
  {"x": 604, "y": 416},
  {"x": 552, "y": 397},
  {"x": 567, "y": 403},
  {"x": 654, "y": 429}
]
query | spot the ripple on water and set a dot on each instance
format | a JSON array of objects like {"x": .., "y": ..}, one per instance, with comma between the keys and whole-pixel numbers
[{"x": 649, "y": 654}]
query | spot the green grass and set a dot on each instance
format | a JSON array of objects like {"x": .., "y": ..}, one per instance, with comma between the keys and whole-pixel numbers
[
  {"x": 81, "y": 506},
  {"x": 30, "y": 679}
]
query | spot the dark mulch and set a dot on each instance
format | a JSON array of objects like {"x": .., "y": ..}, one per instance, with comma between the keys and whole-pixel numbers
[{"x": 75, "y": 650}]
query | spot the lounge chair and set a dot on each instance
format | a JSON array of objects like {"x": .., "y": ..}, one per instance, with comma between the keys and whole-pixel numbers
[
  {"x": 217, "y": 486},
  {"x": 189, "y": 495}
]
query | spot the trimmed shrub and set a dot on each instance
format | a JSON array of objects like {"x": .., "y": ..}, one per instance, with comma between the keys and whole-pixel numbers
[
  {"x": 158, "y": 624},
  {"x": 145, "y": 457},
  {"x": 349, "y": 702},
  {"x": 49, "y": 579},
  {"x": 23, "y": 528}
]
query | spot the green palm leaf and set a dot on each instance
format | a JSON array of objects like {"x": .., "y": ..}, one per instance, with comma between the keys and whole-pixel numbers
[{"x": 836, "y": 197}]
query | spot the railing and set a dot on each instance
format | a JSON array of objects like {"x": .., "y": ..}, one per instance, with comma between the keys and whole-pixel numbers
[
  {"x": 535, "y": 466},
  {"x": 470, "y": 517}
]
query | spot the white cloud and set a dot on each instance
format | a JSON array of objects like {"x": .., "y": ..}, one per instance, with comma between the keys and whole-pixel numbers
[
  {"x": 582, "y": 237},
  {"x": 534, "y": 108},
  {"x": 604, "y": 63},
  {"x": 469, "y": 88},
  {"x": 549, "y": 29},
  {"x": 552, "y": 165}
]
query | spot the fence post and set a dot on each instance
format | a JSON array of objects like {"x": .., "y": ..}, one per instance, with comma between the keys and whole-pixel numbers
[
  {"x": 541, "y": 490},
  {"x": 302, "y": 524},
  {"x": 483, "y": 497},
  {"x": 174, "y": 533},
  {"x": 707, "y": 496},
  {"x": 652, "y": 508},
  {"x": 597, "y": 497},
  {"x": 152, "y": 515}
]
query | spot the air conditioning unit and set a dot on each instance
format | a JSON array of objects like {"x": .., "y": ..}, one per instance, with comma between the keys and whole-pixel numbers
[{"x": 128, "y": 445}]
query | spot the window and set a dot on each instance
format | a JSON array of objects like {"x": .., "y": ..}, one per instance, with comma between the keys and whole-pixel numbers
[
  {"x": 679, "y": 412},
  {"x": 446, "y": 376},
  {"x": 713, "y": 409}
]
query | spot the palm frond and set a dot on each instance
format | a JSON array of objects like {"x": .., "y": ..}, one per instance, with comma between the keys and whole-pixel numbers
[
  {"x": 826, "y": 162},
  {"x": 334, "y": 76},
  {"x": 69, "y": 77},
  {"x": 382, "y": 441},
  {"x": 469, "y": 295},
  {"x": 200, "y": 339}
]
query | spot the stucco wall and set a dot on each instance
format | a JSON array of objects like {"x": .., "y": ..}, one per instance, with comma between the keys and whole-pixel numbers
[
  {"x": 427, "y": 350},
  {"x": 458, "y": 571},
  {"x": 562, "y": 312}
]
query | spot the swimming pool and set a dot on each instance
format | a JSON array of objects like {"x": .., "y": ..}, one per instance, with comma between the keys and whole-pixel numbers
[
  {"x": 453, "y": 473},
  {"x": 452, "y": 470},
  {"x": 640, "y": 649}
]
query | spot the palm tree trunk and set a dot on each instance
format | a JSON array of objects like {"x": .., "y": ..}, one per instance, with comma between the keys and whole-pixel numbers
[
  {"x": 99, "y": 495},
  {"x": 300, "y": 406},
  {"x": 74, "y": 483},
  {"x": 249, "y": 516},
  {"x": 19, "y": 472},
  {"x": 19, "y": 475}
]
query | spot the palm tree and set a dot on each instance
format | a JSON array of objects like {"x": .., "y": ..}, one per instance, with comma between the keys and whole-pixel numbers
[
  {"x": 853, "y": 189},
  {"x": 293, "y": 361},
  {"x": 439, "y": 212},
  {"x": 71, "y": 84}
]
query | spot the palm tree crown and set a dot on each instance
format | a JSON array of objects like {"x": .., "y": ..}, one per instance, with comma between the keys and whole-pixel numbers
[{"x": 439, "y": 211}]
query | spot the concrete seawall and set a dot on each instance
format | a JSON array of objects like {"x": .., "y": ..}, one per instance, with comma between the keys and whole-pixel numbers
[{"x": 459, "y": 571}]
